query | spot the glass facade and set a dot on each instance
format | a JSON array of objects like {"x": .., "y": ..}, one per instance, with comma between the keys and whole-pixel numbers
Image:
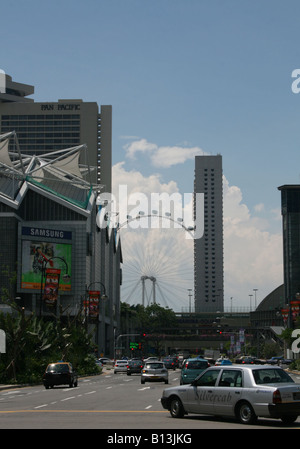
[
  {"x": 290, "y": 207},
  {"x": 41, "y": 133}
]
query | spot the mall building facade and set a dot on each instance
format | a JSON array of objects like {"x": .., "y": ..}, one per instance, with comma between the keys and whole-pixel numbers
[{"x": 55, "y": 159}]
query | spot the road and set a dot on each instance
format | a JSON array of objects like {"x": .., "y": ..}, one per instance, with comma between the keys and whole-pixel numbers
[{"x": 108, "y": 401}]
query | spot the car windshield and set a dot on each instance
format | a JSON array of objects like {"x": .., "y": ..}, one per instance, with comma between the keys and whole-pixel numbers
[
  {"x": 196, "y": 364},
  {"x": 271, "y": 376},
  {"x": 154, "y": 365},
  {"x": 58, "y": 368}
]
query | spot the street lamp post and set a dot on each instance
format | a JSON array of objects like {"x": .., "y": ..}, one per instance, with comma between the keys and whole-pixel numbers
[
  {"x": 255, "y": 290},
  {"x": 104, "y": 295},
  {"x": 190, "y": 296},
  {"x": 250, "y": 296}
]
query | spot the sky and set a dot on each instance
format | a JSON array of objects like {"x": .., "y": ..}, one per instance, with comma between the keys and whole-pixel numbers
[{"x": 184, "y": 78}]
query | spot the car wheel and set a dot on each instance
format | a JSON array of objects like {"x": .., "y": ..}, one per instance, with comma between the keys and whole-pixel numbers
[
  {"x": 142, "y": 381},
  {"x": 289, "y": 419},
  {"x": 76, "y": 383},
  {"x": 176, "y": 408},
  {"x": 47, "y": 387},
  {"x": 245, "y": 413}
]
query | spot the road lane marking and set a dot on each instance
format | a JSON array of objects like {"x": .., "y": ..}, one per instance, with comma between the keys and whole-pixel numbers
[
  {"x": 40, "y": 406},
  {"x": 2, "y": 412},
  {"x": 145, "y": 388},
  {"x": 66, "y": 399},
  {"x": 11, "y": 392},
  {"x": 149, "y": 406}
]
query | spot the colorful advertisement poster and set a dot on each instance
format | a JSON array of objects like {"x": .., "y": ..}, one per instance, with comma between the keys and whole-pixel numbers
[
  {"x": 91, "y": 304},
  {"x": 41, "y": 255},
  {"x": 51, "y": 286}
]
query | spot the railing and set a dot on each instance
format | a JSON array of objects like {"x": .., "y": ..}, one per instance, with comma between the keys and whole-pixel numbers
[{"x": 213, "y": 310}]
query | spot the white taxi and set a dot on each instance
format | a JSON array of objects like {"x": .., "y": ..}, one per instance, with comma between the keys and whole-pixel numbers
[{"x": 242, "y": 392}]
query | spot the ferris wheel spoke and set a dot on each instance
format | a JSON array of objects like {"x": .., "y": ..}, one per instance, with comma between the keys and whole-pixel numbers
[{"x": 161, "y": 254}]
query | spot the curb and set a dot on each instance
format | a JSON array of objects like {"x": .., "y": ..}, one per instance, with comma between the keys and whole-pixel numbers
[{"x": 12, "y": 386}]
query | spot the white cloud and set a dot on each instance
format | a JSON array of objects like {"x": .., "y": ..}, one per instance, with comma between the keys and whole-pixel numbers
[
  {"x": 164, "y": 156},
  {"x": 139, "y": 146},
  {"x": 259, "y": 207},
  {"x": 252, "y": 254},
  {"x": 167, "y": 156}
]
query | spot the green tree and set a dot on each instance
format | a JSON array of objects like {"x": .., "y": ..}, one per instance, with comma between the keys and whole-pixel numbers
[{"x": 154, "y": 321}]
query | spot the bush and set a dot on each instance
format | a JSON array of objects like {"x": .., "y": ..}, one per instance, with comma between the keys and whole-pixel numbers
[
  {"x": 32, "y": 343},
  {"x": 295, "y": 365}
]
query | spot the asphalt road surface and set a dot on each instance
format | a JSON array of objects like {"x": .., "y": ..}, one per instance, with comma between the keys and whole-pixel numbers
[{"x": 109, "y": 401}]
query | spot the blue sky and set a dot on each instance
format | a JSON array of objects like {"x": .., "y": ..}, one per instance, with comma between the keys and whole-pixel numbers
[{"x": 195, "y": 74}]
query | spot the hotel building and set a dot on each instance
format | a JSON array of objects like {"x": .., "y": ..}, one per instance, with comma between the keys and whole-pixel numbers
[
  {"x": 208, "y": 250},
  {"x": 45, "y": 127}
]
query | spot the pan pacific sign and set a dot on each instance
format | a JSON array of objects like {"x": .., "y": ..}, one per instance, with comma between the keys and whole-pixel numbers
[{"x": 60, "y": 107}]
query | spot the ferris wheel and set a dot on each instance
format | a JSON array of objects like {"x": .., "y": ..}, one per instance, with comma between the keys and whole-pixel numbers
[{"x": 157, "y": 265}]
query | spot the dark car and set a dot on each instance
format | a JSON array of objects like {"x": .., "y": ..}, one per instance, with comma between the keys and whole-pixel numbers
[
  {"x": 60, "y": 373},
  {"x": 169, "y": 363},
  {"x": 134, "y": 366},
  {"x": 191, "y": 369},
  {"x": 248, "y": 361},
  {"x": 279, "y": 360}
]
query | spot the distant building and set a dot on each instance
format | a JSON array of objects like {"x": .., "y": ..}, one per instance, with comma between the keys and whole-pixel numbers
[
  {"x": 208, "y": 250},
  {"x": 50, "y": 126},
  {"x": 290, "y": 210}
]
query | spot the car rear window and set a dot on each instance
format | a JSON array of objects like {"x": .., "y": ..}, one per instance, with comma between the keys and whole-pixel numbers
[
  {"x": 197, "y": 364},
  {"x": 271, "y": 376},
  {"x": 154, "y": 365},
  {"x": 58, "y": 368}
]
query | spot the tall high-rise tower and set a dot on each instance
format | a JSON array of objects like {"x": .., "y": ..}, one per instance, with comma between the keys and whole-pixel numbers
[
  {"x": 290, "y": 210},
  {"x": 208, "y": 250}
]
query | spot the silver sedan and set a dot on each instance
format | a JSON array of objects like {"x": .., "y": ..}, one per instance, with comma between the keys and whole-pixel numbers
[
  {"x": 120, "y": 366},
  {"x": 154, "y": 371},
  {"x": 242, "y": 392}
]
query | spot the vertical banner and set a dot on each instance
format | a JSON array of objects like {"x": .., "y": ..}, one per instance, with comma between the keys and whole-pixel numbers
[
  {"x": 285, "y": 315},
  {"x": 91, "y": 306},
  {"x": 242, "y": 336},
  {"x": 51, "y": 286},
  {"x": 295, "y": 308}
]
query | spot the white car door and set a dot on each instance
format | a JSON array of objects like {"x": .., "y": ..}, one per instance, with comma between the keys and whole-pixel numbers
[
  {"x": 200, "y": 395},
  {"x": 228, "y": 391}
]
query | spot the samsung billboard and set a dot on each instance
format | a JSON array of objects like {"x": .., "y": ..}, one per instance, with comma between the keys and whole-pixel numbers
[{"x": 42, "y": 249}]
